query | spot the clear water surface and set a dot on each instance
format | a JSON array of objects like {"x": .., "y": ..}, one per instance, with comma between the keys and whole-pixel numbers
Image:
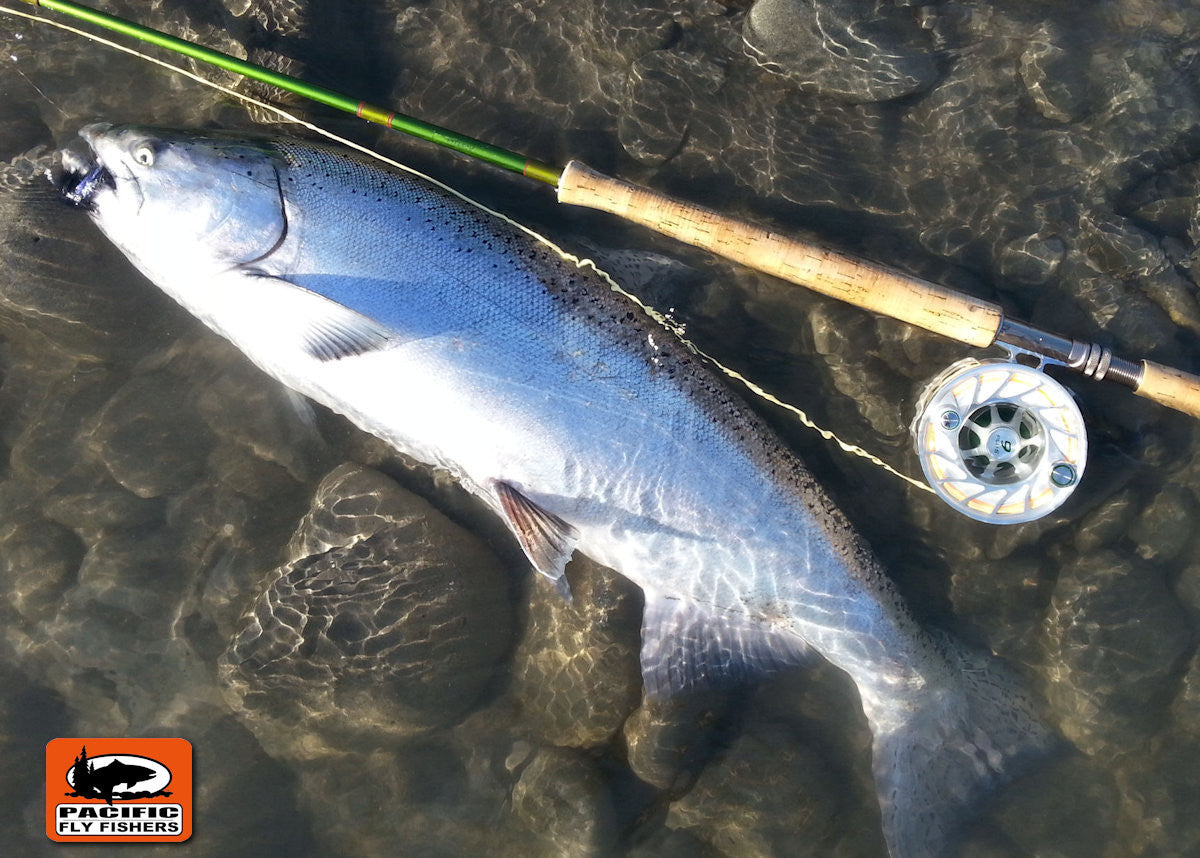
[{"x": 174, "y": 528}]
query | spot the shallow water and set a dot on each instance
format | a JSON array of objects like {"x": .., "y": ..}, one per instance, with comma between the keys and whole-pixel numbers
[{"x": 153, "y": 580}]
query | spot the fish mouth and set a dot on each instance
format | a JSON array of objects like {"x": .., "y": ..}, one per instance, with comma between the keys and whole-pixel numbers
[
  {"x": 82, "y": 174},
  {"x": 79, "y": 187}
]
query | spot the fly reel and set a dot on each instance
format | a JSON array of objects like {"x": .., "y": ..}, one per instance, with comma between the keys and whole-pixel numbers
[{"x": 999, "y": 441}]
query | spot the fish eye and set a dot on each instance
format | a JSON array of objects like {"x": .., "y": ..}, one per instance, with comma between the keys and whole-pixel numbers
[{"x": 144, "y": 153}]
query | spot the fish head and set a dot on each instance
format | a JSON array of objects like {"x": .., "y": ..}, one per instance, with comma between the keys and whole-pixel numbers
[{"x": 173, "y": 198}]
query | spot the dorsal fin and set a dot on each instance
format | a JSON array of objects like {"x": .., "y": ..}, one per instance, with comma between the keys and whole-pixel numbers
[
  {"x": 546, "y": 539},
  {"x": 684, "y": 646}
]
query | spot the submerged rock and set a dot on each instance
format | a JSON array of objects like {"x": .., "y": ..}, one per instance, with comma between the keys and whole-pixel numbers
[
  {"x": 1166, "y": 201},
  {"x": 1032, "y": 259},
  {"x": 1186, "y": 706},
  {"x": 1086, "y": 804},
  {"x": 151, "y": 438},
  {"x": 107, "y": 507},
  {"x": 435, "y": 805},
  {"x": 1115, "y": 246},
  {"x": 41, "y": 259},
  {"x": 770, "y": 795},
  {"x": 266, "y": 419},
  {"x": 1163, "y": 531},
  {"x": 1056, "y": 75},
  {"x": 663, "y": 89},
  {"x": 561, "y": 796},
  {"x": 253, "y": 795},
  {"x": 38, "y": 564},
  {"x": 669, "y": 742},
  {"x": 855, "y": 50},
  {"x": 575, "y": 672},
  {"x": 50, "y": 445},
  {"x": 1107, "y": 523},
  {"x": 1115, "y": 636},
  {"x": 382, "y": 635},
  {"x": 351, "y": 503}
]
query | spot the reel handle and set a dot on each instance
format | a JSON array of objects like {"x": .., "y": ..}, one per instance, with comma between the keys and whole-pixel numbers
[
  {"x": 1170, "y": 387},
  {"x": 863, "y": 284}
]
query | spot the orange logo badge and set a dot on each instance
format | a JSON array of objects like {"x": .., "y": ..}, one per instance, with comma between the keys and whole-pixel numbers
[{"x": 118, "y": 790}]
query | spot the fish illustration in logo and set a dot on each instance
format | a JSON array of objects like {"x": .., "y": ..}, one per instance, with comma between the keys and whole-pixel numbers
[{"x": 90, "y": 781}]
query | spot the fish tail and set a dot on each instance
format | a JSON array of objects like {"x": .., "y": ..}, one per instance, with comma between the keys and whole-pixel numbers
[{"x": 940, "y": 754}]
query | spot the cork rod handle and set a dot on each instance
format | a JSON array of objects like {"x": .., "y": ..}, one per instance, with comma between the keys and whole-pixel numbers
[
  {"x": 1170, "y": 387},
  {"x": 864, "y": 284}
]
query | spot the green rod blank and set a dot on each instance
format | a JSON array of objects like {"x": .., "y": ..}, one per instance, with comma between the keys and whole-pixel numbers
[{"x": 495, "y": 155}]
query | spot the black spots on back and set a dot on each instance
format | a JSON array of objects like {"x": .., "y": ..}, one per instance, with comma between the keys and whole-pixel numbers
[{"x": 564, "y": 300}]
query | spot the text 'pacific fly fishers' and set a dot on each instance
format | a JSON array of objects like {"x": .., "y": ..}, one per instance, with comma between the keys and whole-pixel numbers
[{"x": 467, "y": 343}]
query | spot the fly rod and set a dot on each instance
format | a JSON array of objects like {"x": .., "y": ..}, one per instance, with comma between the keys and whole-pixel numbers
[{"x": 868, "y": 285}]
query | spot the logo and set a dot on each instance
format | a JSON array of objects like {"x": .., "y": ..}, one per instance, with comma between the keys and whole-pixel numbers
[{"x": 118, "y": 790}]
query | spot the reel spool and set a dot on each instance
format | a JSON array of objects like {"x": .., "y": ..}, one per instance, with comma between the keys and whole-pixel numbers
[{"x": 1000, "y": 442}]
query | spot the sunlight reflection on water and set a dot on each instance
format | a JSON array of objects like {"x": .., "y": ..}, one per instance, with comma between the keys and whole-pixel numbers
[{"x": 1039, "y": 157}]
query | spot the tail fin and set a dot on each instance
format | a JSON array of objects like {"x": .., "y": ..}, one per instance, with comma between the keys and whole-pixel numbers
[{"x": 940, "y": 756}]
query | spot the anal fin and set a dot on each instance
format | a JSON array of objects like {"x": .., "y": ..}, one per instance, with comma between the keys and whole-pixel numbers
[
  {"x": 683, "y": 646},
  {"x": 547, "y": 540}
]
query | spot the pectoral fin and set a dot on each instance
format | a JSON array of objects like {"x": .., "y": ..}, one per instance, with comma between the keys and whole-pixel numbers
[
  {"x": 546, "y": 539},
  {"x": 684, "y": 646},
  {"x": 325, "y": 329},
  {"x": 342, "y": 335}
]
